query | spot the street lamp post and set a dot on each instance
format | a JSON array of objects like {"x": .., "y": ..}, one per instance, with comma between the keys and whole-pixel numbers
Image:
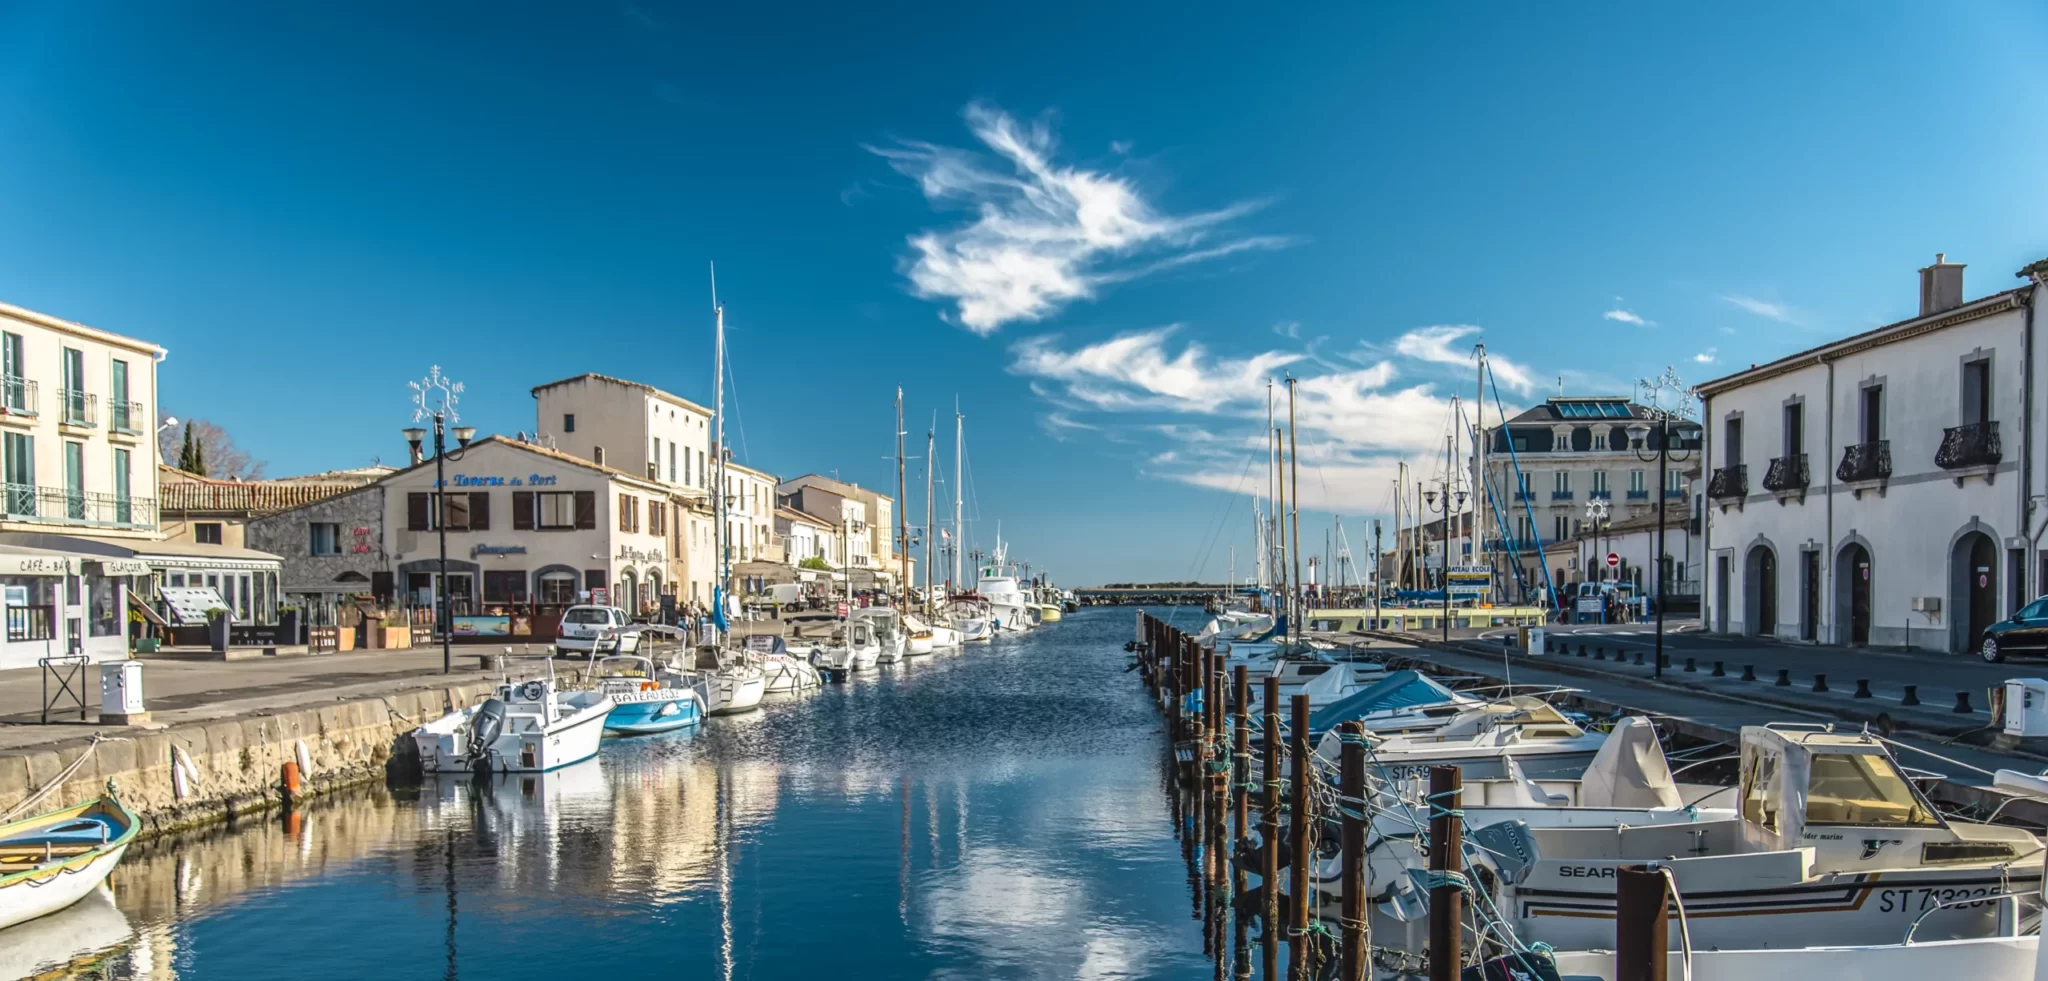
[
  {"x": 1638, "y": 435},
  {"x": 434, "y": 397},
  {"x": 1444, "y": 575}
]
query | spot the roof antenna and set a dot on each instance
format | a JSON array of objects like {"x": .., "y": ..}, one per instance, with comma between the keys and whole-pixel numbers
[{"x": 1560, "y": 386}]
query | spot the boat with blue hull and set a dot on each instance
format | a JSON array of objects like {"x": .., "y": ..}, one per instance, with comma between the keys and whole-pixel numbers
[{"x": 647, "y": 697}]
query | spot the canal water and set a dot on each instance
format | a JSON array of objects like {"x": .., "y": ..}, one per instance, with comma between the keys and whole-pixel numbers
[{"x": 996, "y": 813}]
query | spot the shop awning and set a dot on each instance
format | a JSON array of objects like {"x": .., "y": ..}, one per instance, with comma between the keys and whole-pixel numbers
[
  {"x": 18, "y": 560},
  {"x": 151, "y": 554},
  {"x": 136, "y": 603}
]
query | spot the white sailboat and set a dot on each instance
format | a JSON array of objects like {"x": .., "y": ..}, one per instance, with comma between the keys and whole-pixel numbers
[{"x": 731, "y": 680}]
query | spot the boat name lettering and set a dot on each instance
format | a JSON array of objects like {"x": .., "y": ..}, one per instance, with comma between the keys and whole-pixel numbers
[
  {"x": 1918, "y": 901},
  {"x": 1586, "y": 872}
]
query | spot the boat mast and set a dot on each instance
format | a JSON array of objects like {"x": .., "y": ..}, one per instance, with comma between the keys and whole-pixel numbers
[
  {"x": 1294, "y": 514},
  {"x": 1400, "y": 503},
  {"x": 959, "y": 456},
  {"x": 902, "y": 512},
  {"x": 718, "y": 448},
  {"x": 930, "y": 448},
  {"x": 1480, "y": 486}
]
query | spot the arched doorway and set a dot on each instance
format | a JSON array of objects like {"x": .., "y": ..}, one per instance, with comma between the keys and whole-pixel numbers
[
  {"x": 1973, "y": 589},
  {"x": 1852, "y": 594},
  {"x": 1760, "y": 592},
  {"x": 628, "y": 584},
  {"x": 653, "y": 597}
]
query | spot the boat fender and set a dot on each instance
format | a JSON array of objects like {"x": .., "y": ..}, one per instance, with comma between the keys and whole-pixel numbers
[
  {"x": 305, "y": 759},
  {"x": 184, "y": 776}
]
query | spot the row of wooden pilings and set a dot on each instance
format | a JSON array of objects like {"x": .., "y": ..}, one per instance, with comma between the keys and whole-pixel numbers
[{"x": 1209, "y": 727}]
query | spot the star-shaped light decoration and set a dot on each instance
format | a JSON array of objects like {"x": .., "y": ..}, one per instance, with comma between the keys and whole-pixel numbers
[{"x": 435, "y": 395}]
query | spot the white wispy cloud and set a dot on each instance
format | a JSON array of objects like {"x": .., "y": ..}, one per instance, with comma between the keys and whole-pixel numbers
[
  {"x": 1767, "y": 309},
  {"x": 1627, "y": 317},
  {"x": 1707, "y": 356},
  {"x": 1043, "y": 234},
  {"x": 1355, "y": 421}
]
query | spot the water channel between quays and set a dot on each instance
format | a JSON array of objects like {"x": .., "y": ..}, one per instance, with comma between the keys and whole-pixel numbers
[{"x": 1000, "y": 812}]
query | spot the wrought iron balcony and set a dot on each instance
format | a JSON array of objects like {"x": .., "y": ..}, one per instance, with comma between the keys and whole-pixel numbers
[
  {"x": 1865, "y": 461},
  {"x": 1560, "y": 495},
  {"x": 127, "y": 416},
  {"x": 1729, "y": 482},
  {"x": 1787, "y": 473},
  {"x": 58, "y": 505},
  {"x": 80, "y": 408},
  {"x": 1674, "y": 493},
  {"x": 1600, "y": 495},
  {"x": 1525, "y": 494},
  {"x": 1974, "y": 445},
  {"x": 17, "y": 396},
  {"x": 1639, "y": 495}
]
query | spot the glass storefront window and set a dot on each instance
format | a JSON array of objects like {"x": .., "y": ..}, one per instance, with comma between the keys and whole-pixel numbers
[{"x": 103, "y": 596}]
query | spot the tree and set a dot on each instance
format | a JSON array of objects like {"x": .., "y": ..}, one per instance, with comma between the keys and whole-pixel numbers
[
  {"x": 206, "y": 450},
  {"x": 813, "y": 562}
]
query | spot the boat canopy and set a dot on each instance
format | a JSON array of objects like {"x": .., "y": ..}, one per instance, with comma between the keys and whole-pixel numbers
[
  {"x": 1629, "y": 770},
  {"x": 1517, "y": 710},
  {"x": 1794, "y": 779},
  {"x": 1401, "y": 689}
]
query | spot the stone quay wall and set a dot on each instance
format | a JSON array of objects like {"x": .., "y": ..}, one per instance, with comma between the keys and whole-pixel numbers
[{"x": 236, "y": 766}]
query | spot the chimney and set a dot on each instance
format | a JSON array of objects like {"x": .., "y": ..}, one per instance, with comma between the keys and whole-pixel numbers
[{"x": 1941, "y": 286}]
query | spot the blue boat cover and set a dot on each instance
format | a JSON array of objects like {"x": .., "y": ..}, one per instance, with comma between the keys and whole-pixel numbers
[{"x": 1398, "y": 690}]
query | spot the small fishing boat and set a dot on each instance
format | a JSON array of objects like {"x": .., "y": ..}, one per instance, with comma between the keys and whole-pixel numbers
[
  {"x": 917, "y": 637},
  {"x": 729, "y": 681},
  {"x": 850, "y": 647},
  {"x": 527, "y": 727},
  {"x": 891, "y": 640},
  {"x": 647, "y": 697},
  {"x": 942, "y": 636},
  {"x": 51, "y": 861},
  {"x": 785, "y": 672}
]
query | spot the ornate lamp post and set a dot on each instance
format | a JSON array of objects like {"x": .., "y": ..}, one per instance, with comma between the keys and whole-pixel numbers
[
  {"x": 1654, "y": 393},
  {"x": 1447, "y": 511},
  {"x": 434, "y": 397}
]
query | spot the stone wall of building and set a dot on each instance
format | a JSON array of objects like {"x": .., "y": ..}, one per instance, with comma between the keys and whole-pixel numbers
[{"x": 288, "y": 535}]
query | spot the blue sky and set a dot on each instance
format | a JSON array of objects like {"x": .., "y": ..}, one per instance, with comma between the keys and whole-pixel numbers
[{"x": 1100, "y": 226}]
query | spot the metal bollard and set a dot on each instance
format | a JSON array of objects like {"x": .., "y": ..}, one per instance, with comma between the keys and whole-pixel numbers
[
  {"x": 1820, "y": 682},
  {"x": 1784, "y": 677},
  {"x": 1749, "y": 672},
  {"x": 1863, "y": 688},
  {"x": 1912, "y": 695},
  {"x": 1639, "y": 658},
  {"x": 1599, "y": 653},
  {"x": 1582, "y": 650},
  {"x": 1690, "y": 667},
  {"x": 1962, "y": 704}
]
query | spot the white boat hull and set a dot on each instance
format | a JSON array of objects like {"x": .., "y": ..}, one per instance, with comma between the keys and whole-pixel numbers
[
  {"x": 444, "y": 746},
  {"x": 920, "y": 646},
  {"x": 1990, "y": 959},
  {"x": 786, "y": 675},
  {"x": 38, "y": 897},
  {"x": 731, "y": 693}
]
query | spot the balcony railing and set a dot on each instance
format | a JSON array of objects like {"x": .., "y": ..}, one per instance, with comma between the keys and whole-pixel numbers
[
  {"x": 1865, "y": 461},
  {"x": 80, "y": 408},
  {"x": 1787, "y": 473},
  {"x": 1729, "y": 482},
  {"x": 1560, "y": 495},
  {"x": 1525, "y": 494},
  {"x": 1639, "y": 495},
  {"x": 1600, "y": 495},
  {"x": 127, "y": 416},
  {"x": 27, "y": 502},
  {"x": 1974, "y": 445},
  {"x": 17, "y": 396},
  {"x": 1672, "y": 493}
]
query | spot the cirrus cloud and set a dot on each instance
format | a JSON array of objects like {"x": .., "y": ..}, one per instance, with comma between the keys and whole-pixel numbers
[{"x": 1043, "y": 234}]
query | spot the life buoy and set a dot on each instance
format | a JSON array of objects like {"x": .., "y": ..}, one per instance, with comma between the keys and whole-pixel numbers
[{"x": 648, "y": 686}]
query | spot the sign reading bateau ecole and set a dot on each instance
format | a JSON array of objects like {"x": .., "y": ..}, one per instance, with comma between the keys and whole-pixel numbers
[{"x": 1469, "y": 580}]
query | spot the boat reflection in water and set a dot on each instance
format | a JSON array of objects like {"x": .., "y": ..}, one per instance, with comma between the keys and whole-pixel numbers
[{"x": 969, "y": 816}]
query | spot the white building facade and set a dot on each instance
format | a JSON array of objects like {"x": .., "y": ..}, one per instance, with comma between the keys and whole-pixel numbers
[{"x": 1883, "y": 489}]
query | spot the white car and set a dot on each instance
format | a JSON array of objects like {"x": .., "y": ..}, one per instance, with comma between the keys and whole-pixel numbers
[{"x": 584, "y": 627}]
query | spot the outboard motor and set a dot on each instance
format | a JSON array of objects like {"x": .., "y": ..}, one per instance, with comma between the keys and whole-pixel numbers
[{"x": 484, "y": 729}]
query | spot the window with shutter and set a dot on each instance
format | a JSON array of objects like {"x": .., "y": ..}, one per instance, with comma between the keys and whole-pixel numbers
[
  {"x": 586, "y": 509},
  {"x": 522, "y": 510},
  {"x": 416, "y": 512},
  {"x": 479, "y": 510},
  {"x": 625, "y": 512}
]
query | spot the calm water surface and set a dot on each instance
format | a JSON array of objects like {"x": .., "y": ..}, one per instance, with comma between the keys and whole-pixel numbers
[{"x": 999, "y": 813}]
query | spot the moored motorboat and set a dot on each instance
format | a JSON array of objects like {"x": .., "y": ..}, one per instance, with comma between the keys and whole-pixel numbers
[
  {"x": 785, "y": 673},
  {"x": 942, "y": 636},
  {"x": 52, "y": 860},
  {"x": 647, "y": 697},
  {"x": 526, "y": 727},
  {"x": 729, "y": 682}
]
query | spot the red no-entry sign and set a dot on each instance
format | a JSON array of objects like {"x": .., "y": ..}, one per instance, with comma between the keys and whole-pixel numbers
[{"x": 1614, "y": 560}]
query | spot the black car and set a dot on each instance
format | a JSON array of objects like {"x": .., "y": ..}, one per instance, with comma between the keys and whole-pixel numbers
[{"x": 2025, "y": 632}]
